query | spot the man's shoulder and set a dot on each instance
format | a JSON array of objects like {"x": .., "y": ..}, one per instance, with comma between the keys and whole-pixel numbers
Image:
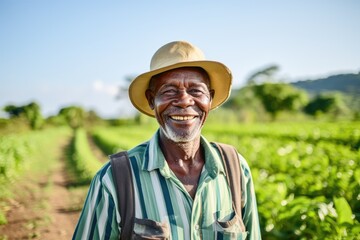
[
  {"x": 104, "y": 172},
  {"x": 139, "y": 149},
  {"x": 133, "y": 154},
  {"x": 241, "y": 158}
]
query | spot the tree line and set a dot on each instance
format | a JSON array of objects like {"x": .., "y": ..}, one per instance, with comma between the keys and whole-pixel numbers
[
  {"x": 275, "y": 98},
  {"x": 265, "y": 98},
  {"x": 30, "y": 115},
  {"x": 269, "y": 94},
  {"x": 264, "y": 94}
]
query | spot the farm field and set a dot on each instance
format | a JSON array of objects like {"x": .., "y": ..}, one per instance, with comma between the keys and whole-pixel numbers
[{"x": 306, "y": 175}]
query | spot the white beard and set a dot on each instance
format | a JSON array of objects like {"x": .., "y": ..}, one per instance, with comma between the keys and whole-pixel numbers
[{"x": 178, "y": 138}]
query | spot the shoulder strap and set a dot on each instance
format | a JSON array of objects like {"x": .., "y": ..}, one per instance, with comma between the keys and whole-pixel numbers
[
  {"x": 122, "y": 174},
  {"x": 232, "y": 167}
]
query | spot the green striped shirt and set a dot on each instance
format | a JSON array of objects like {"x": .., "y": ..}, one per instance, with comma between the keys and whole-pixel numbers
[{"x": 161, "y": 197}]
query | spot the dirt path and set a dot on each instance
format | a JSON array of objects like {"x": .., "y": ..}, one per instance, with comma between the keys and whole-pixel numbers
[
  {"x": 45, "y": 206},
  {"x": 96, "y": 150},
  {"x": 40, "y": 207},
  {"x": 63, "y": 214}
]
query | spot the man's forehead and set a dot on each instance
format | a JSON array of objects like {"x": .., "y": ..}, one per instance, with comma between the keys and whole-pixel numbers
[
  {"x": 186, "y": 73},
  {"x": 182, "y": 70}
]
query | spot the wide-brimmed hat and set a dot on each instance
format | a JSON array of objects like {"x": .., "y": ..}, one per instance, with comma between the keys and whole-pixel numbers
[{"x": 176, "y": 55}]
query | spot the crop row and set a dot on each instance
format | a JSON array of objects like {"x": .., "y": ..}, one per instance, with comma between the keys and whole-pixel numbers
[
  {"x": 345, "y": 133},
  {"x": 83, "y": 163},
  {"x": 11, "y": 157},
  {"x": 26, "y": 152},
  {"x": 111, "y": 140}
]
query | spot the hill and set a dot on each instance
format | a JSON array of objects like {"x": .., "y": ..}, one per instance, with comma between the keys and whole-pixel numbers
[{"x": 345, "y": 83}]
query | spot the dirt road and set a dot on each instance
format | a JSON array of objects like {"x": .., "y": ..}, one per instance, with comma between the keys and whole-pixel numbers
[
  {"x": 41, "y": 209},
  {"x": 43, "y": 206}
]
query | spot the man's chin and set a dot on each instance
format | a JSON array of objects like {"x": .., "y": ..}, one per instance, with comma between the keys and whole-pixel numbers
[{"x": 177, "y": 137}]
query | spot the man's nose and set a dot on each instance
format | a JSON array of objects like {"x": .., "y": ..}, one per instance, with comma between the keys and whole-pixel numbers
[{"x": 184, "y": 99}]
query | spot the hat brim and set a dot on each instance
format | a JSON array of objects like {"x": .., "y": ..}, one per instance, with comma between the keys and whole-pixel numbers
[{"x": 220, "y": 81}]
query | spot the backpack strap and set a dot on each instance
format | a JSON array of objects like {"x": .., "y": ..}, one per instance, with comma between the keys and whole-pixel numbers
[
  {"x": 231, "y": 162},
  {"x": 123, "y": 181}
]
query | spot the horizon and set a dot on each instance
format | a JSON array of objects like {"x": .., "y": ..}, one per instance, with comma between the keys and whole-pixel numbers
[{"x": 78, "y": 53}]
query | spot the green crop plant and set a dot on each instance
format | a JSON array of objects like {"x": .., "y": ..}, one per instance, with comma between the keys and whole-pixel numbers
[
  {"x": 83, "y": 163},
  {"x": 30, "y": 152}
]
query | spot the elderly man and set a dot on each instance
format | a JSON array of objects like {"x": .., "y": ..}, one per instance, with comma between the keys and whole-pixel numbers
[{"x": 180, "y": 184}]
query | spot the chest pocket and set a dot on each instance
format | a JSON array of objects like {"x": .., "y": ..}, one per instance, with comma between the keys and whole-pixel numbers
[
  {"x": 149, "y": 229},
  {"x": 232, "y": 229}
]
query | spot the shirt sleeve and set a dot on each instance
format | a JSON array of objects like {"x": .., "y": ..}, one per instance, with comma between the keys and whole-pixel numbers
[
  {"x": 249, "y": 211},
  {"x": 98, "y": 217}
]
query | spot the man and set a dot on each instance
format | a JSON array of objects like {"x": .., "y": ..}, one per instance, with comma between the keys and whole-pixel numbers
[{"x": 179, "y": 180}]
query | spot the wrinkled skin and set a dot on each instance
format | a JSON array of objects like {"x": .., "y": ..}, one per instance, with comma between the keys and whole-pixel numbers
[{"x": 181, "y": 100}]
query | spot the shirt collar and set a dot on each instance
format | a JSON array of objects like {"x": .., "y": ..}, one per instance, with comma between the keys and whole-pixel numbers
[{"x": 154, "y": 158}]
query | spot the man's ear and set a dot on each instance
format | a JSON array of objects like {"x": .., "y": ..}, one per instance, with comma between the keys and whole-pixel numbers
[
  {"x": 212, "y": 94},
  {"x": 150, "y": 97}
]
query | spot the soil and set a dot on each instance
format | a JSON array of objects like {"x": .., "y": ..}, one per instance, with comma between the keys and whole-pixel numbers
[
  {"x": 44, "y": 207},
  {"x": 40, "y": 209}
]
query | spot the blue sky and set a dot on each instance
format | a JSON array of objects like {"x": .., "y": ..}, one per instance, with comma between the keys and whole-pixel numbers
[{"x": 61, "y": 53}]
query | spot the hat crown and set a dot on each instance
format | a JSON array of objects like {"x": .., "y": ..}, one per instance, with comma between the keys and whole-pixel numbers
[{"x": 175, "y": 52}]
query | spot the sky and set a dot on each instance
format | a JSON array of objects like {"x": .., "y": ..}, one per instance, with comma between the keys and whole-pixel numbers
[{"x": 63, "y": 53}]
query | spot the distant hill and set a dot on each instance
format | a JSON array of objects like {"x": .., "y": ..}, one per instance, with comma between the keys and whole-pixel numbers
[{"x": 346, "y": 83}]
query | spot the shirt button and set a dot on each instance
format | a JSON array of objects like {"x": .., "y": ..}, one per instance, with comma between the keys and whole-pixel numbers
[{"x": 197, "y": 227}]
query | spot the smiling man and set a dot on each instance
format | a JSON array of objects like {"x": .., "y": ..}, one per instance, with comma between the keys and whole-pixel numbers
[
  {"x": 182, "y": 186},
  {"x": 181, "y": 100}
]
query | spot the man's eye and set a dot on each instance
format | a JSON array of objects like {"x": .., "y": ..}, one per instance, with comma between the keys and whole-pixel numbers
[
  {"x": 196, "y": 91},
  {"x": 169, "y": 91}
]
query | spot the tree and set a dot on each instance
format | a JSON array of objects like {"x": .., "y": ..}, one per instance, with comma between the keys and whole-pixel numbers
[
  {"x": 123, "y": 94},
  {"x": 34, "y": 116},
  {"x": 246, "y": 106},
  {"x": 123, "y": 89},
  {"x": 263, "y": 75},
  {"x": 14, "y": 111},
  {"x": 31, "y": 113},
  {"x": 73, "y": 115},
  {"x": 326, "y": 103},
  {"x": 277, "y": 97}
]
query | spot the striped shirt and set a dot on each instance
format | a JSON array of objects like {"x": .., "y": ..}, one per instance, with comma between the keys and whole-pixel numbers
[{"x": 162, "y": 198}]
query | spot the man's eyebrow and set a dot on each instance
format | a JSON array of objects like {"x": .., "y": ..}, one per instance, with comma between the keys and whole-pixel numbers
[
  {"x": 191, "y": 84},
  {"x": 167, "y": 85}
]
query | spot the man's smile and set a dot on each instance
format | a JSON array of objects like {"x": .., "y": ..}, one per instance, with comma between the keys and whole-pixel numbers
[{"x": 182, "y": 118}]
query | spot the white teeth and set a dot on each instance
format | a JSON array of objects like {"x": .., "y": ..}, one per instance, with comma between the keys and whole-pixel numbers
[{"x": 182, "y": 118}]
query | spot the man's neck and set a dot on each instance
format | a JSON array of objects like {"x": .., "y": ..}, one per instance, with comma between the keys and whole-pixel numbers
[
  {"x": 188, "y": 152},
  {"x": 186, "y": 160}
]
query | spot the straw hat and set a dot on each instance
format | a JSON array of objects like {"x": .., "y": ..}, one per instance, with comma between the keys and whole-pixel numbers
[{"x": 176, "y": 55}]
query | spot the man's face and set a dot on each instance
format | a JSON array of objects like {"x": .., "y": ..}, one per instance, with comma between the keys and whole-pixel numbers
[{"x": 181, "y": 100}]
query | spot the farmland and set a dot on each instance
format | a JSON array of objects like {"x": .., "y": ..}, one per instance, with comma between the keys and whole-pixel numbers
[{"x": 306, "y": 174}]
